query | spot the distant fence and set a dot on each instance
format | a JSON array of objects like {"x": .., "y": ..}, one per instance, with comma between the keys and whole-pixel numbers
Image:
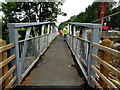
[
  {"x": 7, "y": 77},
  {"x": 105, "y": 68},
  {"x": 87, "y": 51}
]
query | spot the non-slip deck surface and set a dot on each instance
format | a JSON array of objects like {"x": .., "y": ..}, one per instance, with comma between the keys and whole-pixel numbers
[{"x": 56, "y": 68}]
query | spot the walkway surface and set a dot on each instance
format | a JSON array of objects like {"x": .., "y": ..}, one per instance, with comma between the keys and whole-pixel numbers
[{"x": 56, "y": 68}]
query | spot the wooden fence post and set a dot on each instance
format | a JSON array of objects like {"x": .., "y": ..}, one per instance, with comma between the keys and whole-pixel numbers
[
  {"x": 106, "y": 57},
  {"x": 0, "y": 61},
  {"x": 3, "y": 55}
]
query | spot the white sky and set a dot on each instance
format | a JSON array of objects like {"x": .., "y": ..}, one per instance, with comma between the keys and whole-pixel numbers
[{"x": 73, "y": 7}]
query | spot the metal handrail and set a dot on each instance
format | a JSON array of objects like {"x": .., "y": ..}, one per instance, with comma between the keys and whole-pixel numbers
[
  {"x": 16, "y": 25},
  {"x": 33, "y": 38},
  {"x": 88, "y": 25}
]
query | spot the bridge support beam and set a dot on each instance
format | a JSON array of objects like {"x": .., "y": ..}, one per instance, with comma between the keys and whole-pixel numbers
[{"x": 13, "y": 33}]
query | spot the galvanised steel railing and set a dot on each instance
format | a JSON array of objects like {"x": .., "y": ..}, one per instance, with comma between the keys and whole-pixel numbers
[
  {"x": 82, "y": 48},
  {"x": 29, "y": 50}
]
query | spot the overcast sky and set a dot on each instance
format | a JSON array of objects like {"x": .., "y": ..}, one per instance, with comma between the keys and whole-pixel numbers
[{"x": 72, "y": 7}]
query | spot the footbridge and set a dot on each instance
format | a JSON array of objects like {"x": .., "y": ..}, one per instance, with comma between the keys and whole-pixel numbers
[{"x": 47, "y": 61}]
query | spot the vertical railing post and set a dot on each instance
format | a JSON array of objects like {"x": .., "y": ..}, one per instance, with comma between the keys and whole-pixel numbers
[
  {"x": 44, "y": 36},
  {"x": 106, "y": 57},
  {"x": 84, "y": 36},
  {"x": 74, "y": 29},
  {"x": 13, "y": 35},
  {"x": 48, "y": 31},
  {"x": 94, "y": 38},
  {"x": 68, "y": 33},
  {"x": 74, "y": 39},
  {"x": 70, "y": 29},
  {"x": 80, "y": 33},
  {"x": 70, "y": 39},
  {"x": 51, "y": 32},
  {"x": 43, "y": 29},
  {"x": 51, "y": 29},
  {"x": 42, "y": 40}
]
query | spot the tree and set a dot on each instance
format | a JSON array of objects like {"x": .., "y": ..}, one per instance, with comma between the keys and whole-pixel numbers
[
  {"x": 114, "y": 21},
  {"x": 16, "y": 12},
  {"x": 30, "y": 11}
]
